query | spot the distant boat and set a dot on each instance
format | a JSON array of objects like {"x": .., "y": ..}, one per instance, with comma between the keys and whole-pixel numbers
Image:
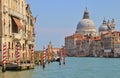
[
  {"x": 11, "y": 66},
  {"x": 57, "y": 58}
]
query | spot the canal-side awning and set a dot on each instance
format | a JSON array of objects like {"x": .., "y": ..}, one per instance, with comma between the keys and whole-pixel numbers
[{"x": 18, "y": 23}]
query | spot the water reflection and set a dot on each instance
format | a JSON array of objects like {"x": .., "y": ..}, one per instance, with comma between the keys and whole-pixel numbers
[
  {"x": 18, "y": 74},
  {"x": 74, "y": 68}
]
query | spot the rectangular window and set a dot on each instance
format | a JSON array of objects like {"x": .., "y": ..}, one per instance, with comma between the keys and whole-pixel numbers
[
  {"x": 23, "y": 47},
  {"x": 0, "y": 44},
  {"x": 9, "y": 28},
  {"x": 31, "y": 23},
  {"x": 8, "y": 45},
  {"x": 28, "y": 19},
  {"x": 29, "y": 46},
  {"x": 4, "y": 26},
  {"x": 12, "y": 45},
  {"x": 14, "y": 27}
]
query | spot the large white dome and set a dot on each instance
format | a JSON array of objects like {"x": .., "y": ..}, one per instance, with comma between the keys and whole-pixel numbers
[{"x": 86, "y": 26}]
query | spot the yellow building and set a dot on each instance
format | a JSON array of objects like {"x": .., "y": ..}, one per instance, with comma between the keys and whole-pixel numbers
[{"x": 16, "y": 28}]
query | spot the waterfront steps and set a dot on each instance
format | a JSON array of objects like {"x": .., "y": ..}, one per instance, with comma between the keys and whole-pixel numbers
[
  {"x": 20, "y": 67},
  {"x": 15, "y": 67}
]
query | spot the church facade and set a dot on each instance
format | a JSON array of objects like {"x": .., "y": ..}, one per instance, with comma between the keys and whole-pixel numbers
[{"x": 85, "y": 41}]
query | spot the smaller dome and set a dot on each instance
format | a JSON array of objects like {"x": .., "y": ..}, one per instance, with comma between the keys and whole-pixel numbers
[
  {"x": 103, "y": 28},
  {"x": 86, "y": 24}
]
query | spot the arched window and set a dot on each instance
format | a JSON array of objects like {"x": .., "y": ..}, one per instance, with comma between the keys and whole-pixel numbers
[{"x": 23, "y": 47}]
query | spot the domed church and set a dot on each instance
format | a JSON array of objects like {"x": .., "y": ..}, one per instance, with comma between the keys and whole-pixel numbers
[
  {"x": 85, "y": 42},
  {"x": 107, "y": 26},
  {"x": 86, "y": 26}
]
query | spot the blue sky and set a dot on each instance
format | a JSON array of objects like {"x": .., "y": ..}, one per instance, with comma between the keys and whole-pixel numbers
[{"x": 59, "y": 18}]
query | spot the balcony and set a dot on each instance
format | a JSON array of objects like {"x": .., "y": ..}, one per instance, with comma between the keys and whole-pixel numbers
[
  {"x": 5, "y": 9},
  {"x": 25, "y": 37},
  {"x": 30, "y": 42},
  {"x": 15, "y": 13},
  {"x": 33, "y": 39},
  {"x": 17, "y": 36}
]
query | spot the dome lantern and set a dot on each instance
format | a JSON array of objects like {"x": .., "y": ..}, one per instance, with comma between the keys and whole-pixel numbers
[{"x": 86, "y": 14}]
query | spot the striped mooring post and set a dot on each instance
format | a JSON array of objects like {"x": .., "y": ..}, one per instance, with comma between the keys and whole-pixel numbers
[
  {"x": 4, "y": 57},
  {"x": 18, "y": 54},
  {"x": 44, "y": 57}
]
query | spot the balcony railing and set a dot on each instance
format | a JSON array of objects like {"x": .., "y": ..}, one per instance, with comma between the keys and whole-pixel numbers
[
  {"x": 17, "y": 36},
  {"x": 30, "y": 42},
  {"x": 15, "y": 13},
  {"x": 25, "y": 37},
  {"x": 5, "y": 9}
]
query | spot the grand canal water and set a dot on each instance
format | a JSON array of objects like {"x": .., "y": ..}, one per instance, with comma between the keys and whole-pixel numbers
[{"x": 74, "y": 68}]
